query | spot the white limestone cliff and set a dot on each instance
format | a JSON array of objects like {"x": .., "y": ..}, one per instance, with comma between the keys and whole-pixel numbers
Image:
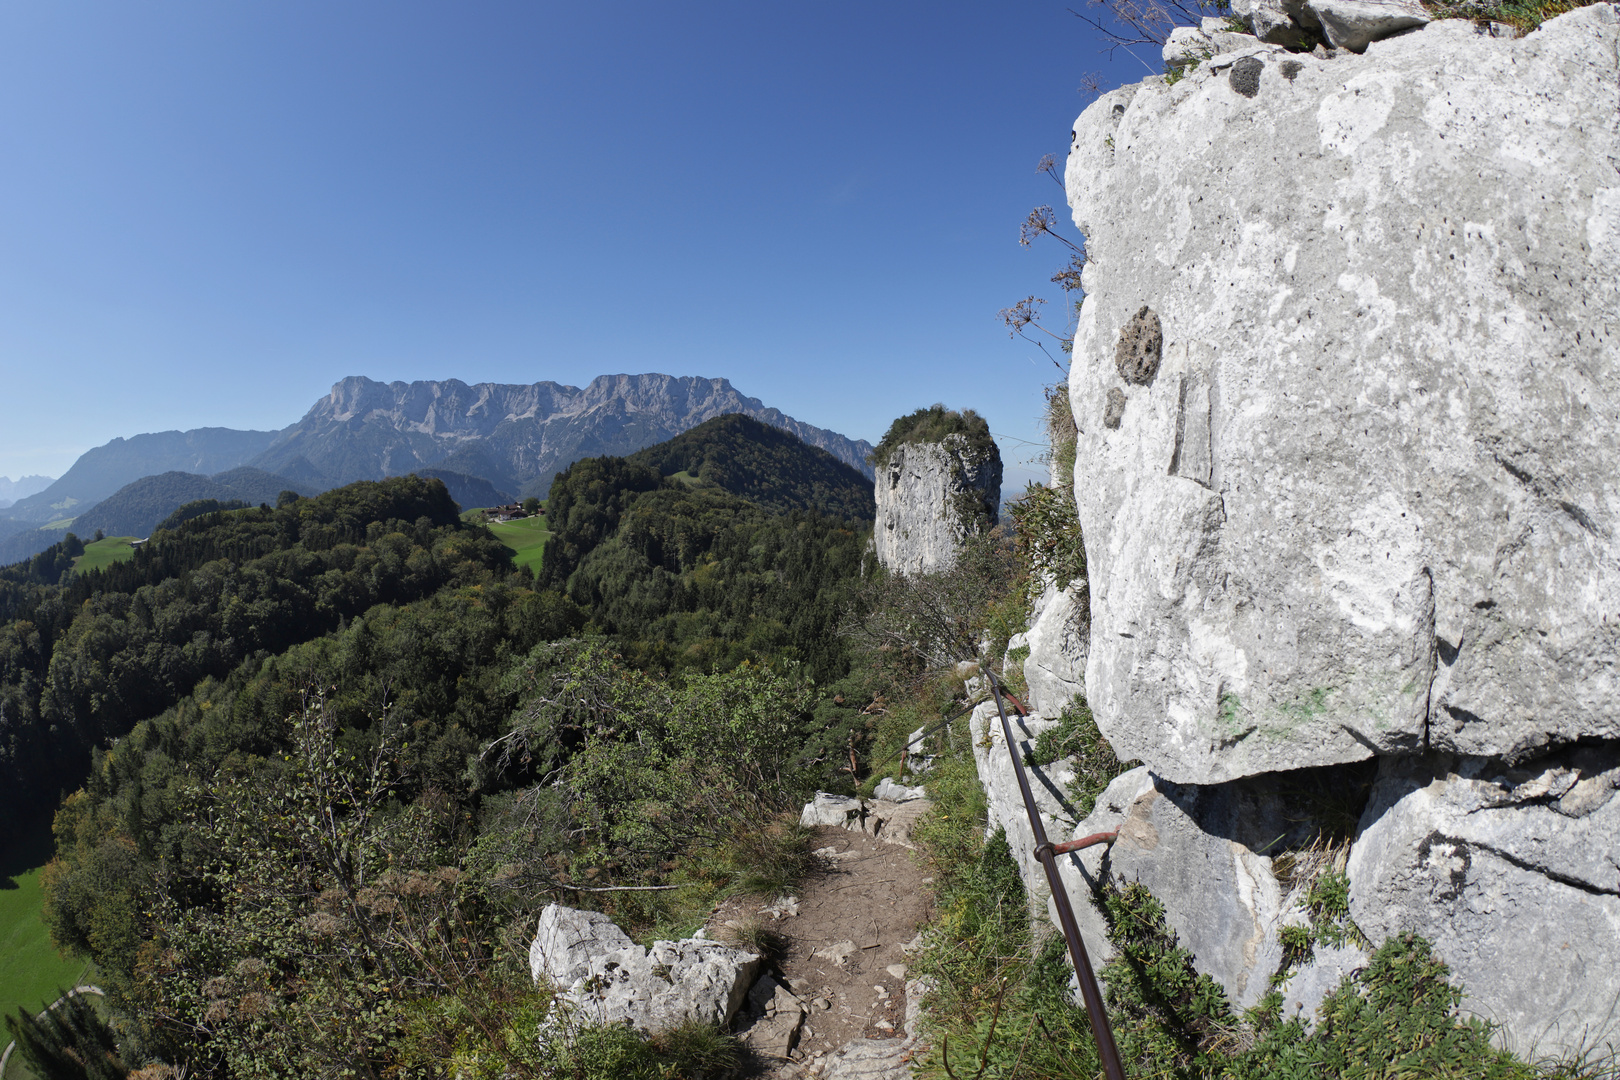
[
  {"x": 1362, "y": 494},
  {"x": 930, "y": 497},
  {"x": 1347, "y": 385}
]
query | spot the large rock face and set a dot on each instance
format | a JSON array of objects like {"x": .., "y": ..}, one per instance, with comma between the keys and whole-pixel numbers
[
  {"x": 1514, "y": 874},
  {"x": 1348, "y": 472},
  {"x": 930, "y": 497},
  {"x": 1362, "y": 494}
]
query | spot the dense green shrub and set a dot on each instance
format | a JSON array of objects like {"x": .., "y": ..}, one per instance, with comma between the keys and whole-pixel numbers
[{"x": 932, "y": 425}]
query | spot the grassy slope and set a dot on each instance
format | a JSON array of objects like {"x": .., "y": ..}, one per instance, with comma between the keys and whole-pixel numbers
[
  {"x": 526, "y": 537},
  {"x": 102, "y": 553},
  {"x": 31, "y": 970}
]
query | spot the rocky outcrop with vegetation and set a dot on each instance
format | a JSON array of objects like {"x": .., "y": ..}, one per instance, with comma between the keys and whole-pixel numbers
[
  {"x": 939, "y": 482},
  {"x": 1346, "y": 385}
]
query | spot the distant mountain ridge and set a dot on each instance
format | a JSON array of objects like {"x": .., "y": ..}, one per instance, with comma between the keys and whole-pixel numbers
[
  {"x": 515, "y": 436},
  {"x": 102, "y": 471},
  {"x": 488, "y": 442},
  {"x": 20, "y": 488}
]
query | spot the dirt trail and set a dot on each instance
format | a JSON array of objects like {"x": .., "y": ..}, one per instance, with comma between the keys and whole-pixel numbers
[{"x": 846, "y": 957}]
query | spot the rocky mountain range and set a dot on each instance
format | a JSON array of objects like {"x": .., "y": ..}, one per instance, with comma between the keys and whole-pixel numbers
[
  {"x": 517, "y": 437},
  {"x": 20, "y": 488},
  {"x": 487, "y": 441}
]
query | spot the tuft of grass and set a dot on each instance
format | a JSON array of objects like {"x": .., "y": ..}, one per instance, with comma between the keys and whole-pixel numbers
[
  {"x": 1046, "y": 528},
  {"x": 1297, "y": 944},
  {"x": 768, "y": 861},
  {"x": 765, "y": 861},
  {"x": 615, "y": 1052},
  {"x": 1524, "y": 16},
  {"x": 1077, "y": 737},
  {"x": 753, "y": 934}
]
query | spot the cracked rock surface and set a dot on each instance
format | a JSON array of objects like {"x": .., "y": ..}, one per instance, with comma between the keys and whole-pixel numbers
[
  {"x": 1368, "y": 501},
  {"x": 930, "y": 497},
  {"x": 1514, "y": 874}
]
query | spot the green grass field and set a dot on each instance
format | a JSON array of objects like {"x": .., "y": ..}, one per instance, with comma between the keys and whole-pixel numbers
[
  {"x": 527, "y": 539},
  {"x": 31, "y": 970},
  {"x": 100, "y": 553}
]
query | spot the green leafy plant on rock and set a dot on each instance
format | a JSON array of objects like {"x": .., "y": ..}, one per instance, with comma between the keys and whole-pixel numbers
[
  {"x": 1078, "y": 738},
  {"x": 1398, "y": 1019},
  {"x": 932, "y": 425},
  {"x": 1523, "y": 15}
]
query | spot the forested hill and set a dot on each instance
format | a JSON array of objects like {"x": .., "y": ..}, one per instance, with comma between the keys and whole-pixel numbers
[
  {"x": 138, "y": 508},
  {"x": 750, "y": 545},
  {"x": 764, "y": 465},
  {"x": 336, "y": 755},
  {"x": 82, "y": 660}
]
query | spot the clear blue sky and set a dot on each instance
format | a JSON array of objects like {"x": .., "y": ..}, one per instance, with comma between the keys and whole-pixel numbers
[{"x": 211, "y": 210}]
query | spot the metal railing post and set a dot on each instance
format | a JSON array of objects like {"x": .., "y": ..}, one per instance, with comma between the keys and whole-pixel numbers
[{"x": 1090, "y": 992}]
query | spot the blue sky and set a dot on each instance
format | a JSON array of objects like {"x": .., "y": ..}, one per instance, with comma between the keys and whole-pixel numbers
[{"x": 211, "y": 211}]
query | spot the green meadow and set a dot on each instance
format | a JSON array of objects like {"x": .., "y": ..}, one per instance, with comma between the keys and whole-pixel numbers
[
  {"x": 100, "y": 553},
  {"x": 32, "y": 973},
  {"x": 526, "y": 537}
]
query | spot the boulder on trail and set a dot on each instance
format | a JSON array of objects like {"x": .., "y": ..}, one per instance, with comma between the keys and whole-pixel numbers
[{"x": 608, "y": 979}]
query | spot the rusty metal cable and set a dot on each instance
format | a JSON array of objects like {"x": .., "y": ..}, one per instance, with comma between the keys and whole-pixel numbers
[{"x": 1090, "y": 992}]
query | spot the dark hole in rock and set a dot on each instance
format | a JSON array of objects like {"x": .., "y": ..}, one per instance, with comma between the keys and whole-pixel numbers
[
  {"x": 1114, "y": 410},
  {"x": 1245, "y": 76},
  {"x": 1140, "y": 345}
]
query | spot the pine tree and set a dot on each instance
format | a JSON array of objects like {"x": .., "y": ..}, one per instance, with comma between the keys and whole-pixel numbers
[{"x": 68, "y": 1041}]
